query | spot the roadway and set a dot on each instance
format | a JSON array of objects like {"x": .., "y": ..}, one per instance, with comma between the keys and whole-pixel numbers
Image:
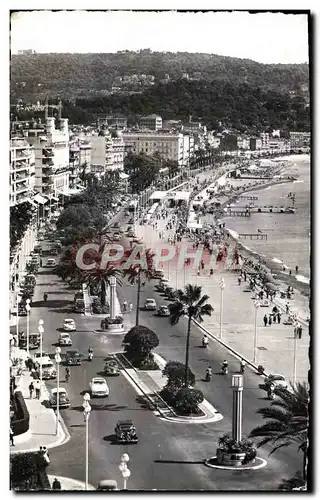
[{"x": 161, "y": 444}]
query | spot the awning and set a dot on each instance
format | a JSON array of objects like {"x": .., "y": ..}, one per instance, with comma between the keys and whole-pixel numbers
[{"x": 40, "y": 199}]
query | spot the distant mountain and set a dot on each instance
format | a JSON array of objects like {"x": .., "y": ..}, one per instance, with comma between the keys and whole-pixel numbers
[{"x": 71, "y": 75}]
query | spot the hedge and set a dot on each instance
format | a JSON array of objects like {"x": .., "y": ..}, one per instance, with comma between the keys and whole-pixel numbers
[{"x": 20, "y": 422}]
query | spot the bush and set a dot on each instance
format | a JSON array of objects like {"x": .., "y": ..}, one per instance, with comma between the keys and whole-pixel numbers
[
  {"x": 260, "y": 369},
  {"x": 139, "y": 342},
  {"x": 229, "y": 445},
  {"x": 118, "y": 320},
  {"x": 187, "y": 400},
  {"x": 28, "y": 472},
  {"x": 175, "y": 370}
]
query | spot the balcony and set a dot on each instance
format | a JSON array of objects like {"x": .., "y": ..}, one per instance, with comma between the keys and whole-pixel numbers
[
  {"x": 21, "y": 178},
  {"x": 47, "y": 153},
  {"x": 47, "y": 162},
  {"x": 18, "y": 167},
  {"x": 47, "y": 171},
  {"x": 22, "y": 189},
  {"x": 47, "y": 180}
]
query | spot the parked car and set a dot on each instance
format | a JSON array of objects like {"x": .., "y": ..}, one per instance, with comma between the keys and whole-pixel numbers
[
  {"x": 73, "y": 357},
  {"x": 79, "y": 306},
  {"x": 99, "y": 387},
  {"x": 150, "y": 305},
  {"x": 164, "y": 311},
  {"x": 69, "y": 325},
  {"x": 64, "y": 339},
  {"x": 111, "y": 368},
  {"x": 47, "y": 367},
  {"x": 64, "y": 400},
  {"x": 39, "y": 355},
  {"x": 51, "y": 262},
  {"x": 275, "y": 380},
  {"x": 157, "y": 274},
  {"x": 125, "y": 432}
]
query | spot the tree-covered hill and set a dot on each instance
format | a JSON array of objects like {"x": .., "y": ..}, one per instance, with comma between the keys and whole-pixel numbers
[{"x": 67, "y": 73}]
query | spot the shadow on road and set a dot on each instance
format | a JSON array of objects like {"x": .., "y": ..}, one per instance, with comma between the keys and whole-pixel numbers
[{"x": 191, "y": 462}]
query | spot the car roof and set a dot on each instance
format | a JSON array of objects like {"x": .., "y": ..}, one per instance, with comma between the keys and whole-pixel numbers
[
  {"x": 64, "y": 334},
  {"x": 277, "y": 376},
  {"x": 45, "y": 360},
  {"x": 150, "y": 300},
  {"x": 108, "y": 482},
  {"x": 125, "y": 422},
  {"x": 98, "y": 379},
  {"x": 61, "y": 389},
  {"x": 73, "y": 351},
  {"x": 69, "y": 319}
]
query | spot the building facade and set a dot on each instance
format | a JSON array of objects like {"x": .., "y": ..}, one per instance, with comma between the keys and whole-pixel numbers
[
  {"x": 107, "y": 151},
  {"x": 151, "y": 122},
  {"x": 171, "y": 146},
  {"x": 22, "y": 171},
  {"x": 300, "y": 139}
]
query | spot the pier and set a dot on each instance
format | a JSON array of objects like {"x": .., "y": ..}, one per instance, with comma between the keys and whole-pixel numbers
[
  {"x": 263, "y": 209},
  {"x": 248, "y": 197},
  {"x": 253, "y": 236},
  {"x": 238, "y": 213}
]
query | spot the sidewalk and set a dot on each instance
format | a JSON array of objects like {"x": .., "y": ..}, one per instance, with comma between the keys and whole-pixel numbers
[
  {"x": 42, "y": 426},
  {"x": 275, "y": 343},
  {"x": 69, "y": 484}
]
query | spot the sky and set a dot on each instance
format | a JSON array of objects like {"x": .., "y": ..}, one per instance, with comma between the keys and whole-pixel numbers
[{"x": 264, "y": 37}]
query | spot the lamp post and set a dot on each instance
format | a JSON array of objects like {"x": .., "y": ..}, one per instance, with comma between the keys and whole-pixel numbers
[
  {"x": 237, "y": 386},
  {"x": 295, "y": 338},
  {"x": 256, "y": 304},
  {"x": 126, "y": 473},
  {"x": 40, "y": 330},
  {"x": 86, "y": 415},
  {"x": 28, "y": 323},
  {"x": 222, "y": 287},
  {"x": 17, "y": 321},
  {"x": 57, "y": 358}
]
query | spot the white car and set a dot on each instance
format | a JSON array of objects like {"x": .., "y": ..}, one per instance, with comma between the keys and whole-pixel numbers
[
  {"x": 39, "y": 355},
  {"x": 275, "y": 380},
  {"x": 64, "y": 339},
  {"x": 69, "y": 325},
  {"x": 150, "y": 305},
  {"x": 99, "y": 387},
  {"x": 51, "y": 262}
]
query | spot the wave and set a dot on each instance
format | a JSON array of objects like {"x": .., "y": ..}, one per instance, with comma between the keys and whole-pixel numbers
[
  {"x": 278, "y": 261},
  {"x": 303, "y": 279},
  {"x": 298, "y": 181},
  {"x": 234, "y": 234}
]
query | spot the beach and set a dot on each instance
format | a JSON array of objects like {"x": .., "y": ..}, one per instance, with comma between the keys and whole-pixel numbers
[{"x": 288, "y": 242}]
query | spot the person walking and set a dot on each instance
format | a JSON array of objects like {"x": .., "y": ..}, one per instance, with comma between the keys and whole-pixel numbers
[
  {"x": 11, "y": 436},
  {"x": 287, "y": 308},
  {"x": 37, "y": 388},
  {"x": 299, "y": 332},
  {"x": 265, "y": 320},
  {"x": 297, "y": 269},
  {"x": 279, "y": 317},
  {"x": 239, "y": 281},
  {"x": 56, "y": 485},
  {"x": 270, "y": 320},
  {"x": 274, "y": 318},
  {"x": 31, "y": 389}
]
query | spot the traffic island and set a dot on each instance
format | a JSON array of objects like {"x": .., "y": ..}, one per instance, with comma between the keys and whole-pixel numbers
[
  {"x": 113, "y": 325},
  {"x": 214, "y": 463}
]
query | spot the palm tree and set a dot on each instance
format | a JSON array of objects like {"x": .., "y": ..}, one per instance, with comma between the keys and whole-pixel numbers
[
  {"x": 100, "y": 279},
  {"x": 189, "y": 302},
  {"x": 288, "y": 420},
  {"x": 134, "y": 272}
]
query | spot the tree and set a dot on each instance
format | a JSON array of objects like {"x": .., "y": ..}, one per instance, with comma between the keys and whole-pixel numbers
[
  {"x": 142, "y": 170},
  {"x": 140, "y": 342},
  {"x": 287, "y": 420},
  {"x": 100, "y": 280},
  {"x": 188, "y": 399},
  {"x": 134, "y": 273},
  {"x": 175, "y": 371},
  {"x": 189, "y": 302}
]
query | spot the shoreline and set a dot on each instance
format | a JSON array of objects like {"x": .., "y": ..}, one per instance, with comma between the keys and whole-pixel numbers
[{"x": 275, "y": 267}]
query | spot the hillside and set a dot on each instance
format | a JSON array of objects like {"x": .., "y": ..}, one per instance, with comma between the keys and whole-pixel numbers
[{"x": 78, "y": 74}]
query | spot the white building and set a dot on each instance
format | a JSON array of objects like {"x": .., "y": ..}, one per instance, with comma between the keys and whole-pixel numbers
[
  {"x": 171, "y": 146},
  {"x": 51, "y": 148},
  {"x": 151, "y": 122},
  {"x": 265, "y": 138},
  {"x": 107, "y": 151},
  {"x": 22, "y": 171}
]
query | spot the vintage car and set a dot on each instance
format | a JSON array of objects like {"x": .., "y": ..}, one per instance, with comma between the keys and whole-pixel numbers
[
  {"x": 150, "y": 305},
  {"x": 65, "y": 339},
  {"x": 275, "y": 380},
  {"x": 125, "y": 432},
  {"x": 99, "y": 387},
  {"x": 73, "y": 357},
  {"x": 108, "y": 485},
  {"x": 111, "y": 367},
  {"x": 69, "y": 325},
  {"x": 163, "y": 311},
  {"x": 64, "y": 401}
]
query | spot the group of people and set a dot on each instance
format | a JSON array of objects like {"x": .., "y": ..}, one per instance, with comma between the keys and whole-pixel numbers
[{"x": 127, "y": 307}]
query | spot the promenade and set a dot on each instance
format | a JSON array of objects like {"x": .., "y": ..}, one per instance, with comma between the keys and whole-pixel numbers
[{"x": 275, "y": 343}]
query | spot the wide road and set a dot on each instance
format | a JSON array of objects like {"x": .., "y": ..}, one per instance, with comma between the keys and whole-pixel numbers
[{"x": 162, "y": 444}]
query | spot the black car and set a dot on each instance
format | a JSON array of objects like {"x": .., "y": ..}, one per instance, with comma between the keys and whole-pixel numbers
[
  {"x": 125, "y": 432},
  {"x": 73, "y": 357},
  {"x": 111, "y": 368}
]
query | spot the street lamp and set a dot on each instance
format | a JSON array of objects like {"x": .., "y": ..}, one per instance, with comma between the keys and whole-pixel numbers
[
  {"x": 28, "y": 323},
  {"x": 86, "y": 415},
  {"x": 57, "y": 358},
  {"x": 295, "y": 337},
  {"x": 126, "y": 473},
  {"x": 222, "y": 287},
  {"x": 256, "y": 304},
  {"x": 17, "y": 321},
  {"x": 40, "y": 330},
  {"x": 237, "y": 386}
]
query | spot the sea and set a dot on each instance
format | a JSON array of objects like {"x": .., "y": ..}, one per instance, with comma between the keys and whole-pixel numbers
[{"x": 288, "y": 234}]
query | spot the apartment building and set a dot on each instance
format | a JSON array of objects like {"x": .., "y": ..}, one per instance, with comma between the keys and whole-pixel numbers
[
  {"x": 265, "y": 138},
  {"x": 171, "y": 146},
  {"x": 51, "y": 146},
  {"x": 22, "y": 171},
  {"x": 112, "y": 121},
  {"x": 151, "y": 122},
  {"x": 300, "y": 139},
  {"x": 107, "y": 151},
  {"x": 79, "y": 159}
]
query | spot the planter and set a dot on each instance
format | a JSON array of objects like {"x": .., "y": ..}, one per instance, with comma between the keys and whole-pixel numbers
[
  {"x": 230, "y": 459},
  {"x": 114, "y": 326}
]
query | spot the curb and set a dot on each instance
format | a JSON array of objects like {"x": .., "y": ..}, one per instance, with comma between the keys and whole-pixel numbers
[{"x": 225, "y": 467}]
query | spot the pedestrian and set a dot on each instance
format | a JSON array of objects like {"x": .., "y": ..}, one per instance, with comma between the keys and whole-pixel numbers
[
  {"x": 40, "y": 262},
  {"x": 287, "y": 308},
  {"x": 274, "y": 318},
  {"x": 297, "y": 269},
  {"x": 270, "y": 320},
  {"x": 299, "y": 332},
  {"x": 279, "y": 317},
  {"x": 11, "y": 436},
  {"x": 290, "y": 272},
  {"x": 239, "y": 280},
  {"x": 56, "y": 485},
  {"x": 265, "y": 320},
  {"x": 245, "y": 276},
  {"x": 37, "y": 388},
  {"x": 31, "y": 389}
]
